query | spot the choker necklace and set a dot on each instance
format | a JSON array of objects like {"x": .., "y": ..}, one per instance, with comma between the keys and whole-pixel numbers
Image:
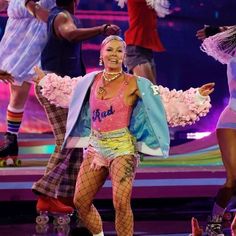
[
  {"x": 112, "y": 78},
  {"x": 102, "y": 89},
  {"x": 112, "y": 73}
]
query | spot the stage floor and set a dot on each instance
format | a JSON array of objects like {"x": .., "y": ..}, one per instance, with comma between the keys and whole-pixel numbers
[
  {"x": 194, "y": 169},
  {"x": 167, "y": 193}
]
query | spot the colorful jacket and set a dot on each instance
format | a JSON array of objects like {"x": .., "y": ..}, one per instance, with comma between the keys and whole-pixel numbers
[{"x": 149, "y": 117}]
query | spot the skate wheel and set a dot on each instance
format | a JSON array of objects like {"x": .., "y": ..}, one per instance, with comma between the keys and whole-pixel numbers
[
  {"x": 62, "y": 220},
  {"x": 17, "y": 162},
  {"x": 3, "y": 163},
  {"x": 41, "y": 229},
  {"x": 42, "y": 219},
  {"x": 62, "y": 229},
  {"x": 10, "y": 162}
]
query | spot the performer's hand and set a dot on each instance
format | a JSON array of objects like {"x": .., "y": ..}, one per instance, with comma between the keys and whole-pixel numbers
[
  {"x": 206, "y": 89},
  {"x": 27, "y": 1},
  {"x": 39, "y": 74},
  {"x": 6, "y": 77},
  {"x": 201, "y": 34},
  {"x": 196, "y": 230},
  {"x": 209, "y": 31},
  {"x": 111, "y": 30}
]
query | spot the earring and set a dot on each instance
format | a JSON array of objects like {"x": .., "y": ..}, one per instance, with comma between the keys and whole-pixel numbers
[
  {"x": 100, "y": 61},
  {"x": 124, "y": 63}
]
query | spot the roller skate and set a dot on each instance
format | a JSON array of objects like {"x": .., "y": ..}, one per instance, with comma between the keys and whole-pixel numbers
[
  {"x": 9, "y": 151},
  {"x": 214, "y": 226},
  {"x": 48, "y": 206}
]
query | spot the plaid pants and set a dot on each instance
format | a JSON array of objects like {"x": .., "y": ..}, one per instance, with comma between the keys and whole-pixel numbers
[{"x": 61, "y": 172}]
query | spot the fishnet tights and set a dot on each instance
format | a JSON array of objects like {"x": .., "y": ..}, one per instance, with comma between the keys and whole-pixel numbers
[{"x": 122, "y": 171}]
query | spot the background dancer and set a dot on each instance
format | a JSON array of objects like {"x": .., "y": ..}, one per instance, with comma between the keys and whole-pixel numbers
[
  {"x": 20, "y": 50},
  {"x": 222, "y": 47},
  {"x": 142, "y": 37},
  {"x": 63, "y": 56}
]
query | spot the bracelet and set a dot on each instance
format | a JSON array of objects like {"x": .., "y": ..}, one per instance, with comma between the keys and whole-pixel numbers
[
  {"x": 27, "y": 1},
  {"x": 105, "y": 28}
]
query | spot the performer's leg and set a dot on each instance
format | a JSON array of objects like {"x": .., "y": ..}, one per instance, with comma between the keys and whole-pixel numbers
[
  {"x": 18, "y": 97},
  {"x": 145, "y": 70},
  {"x": 88, "y": 183},
  {"x": 15, "y": 110},
  {"x": 140, "y": 62},
  {"x": 122, "y": 172},
  {"x": 227, "y": 139}
]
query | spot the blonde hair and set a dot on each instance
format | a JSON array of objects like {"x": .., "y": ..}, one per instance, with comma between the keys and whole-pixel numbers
[{"x": 112, "y": 37}]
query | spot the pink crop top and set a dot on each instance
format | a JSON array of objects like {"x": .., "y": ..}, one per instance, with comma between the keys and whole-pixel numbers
[{"x": 109, "y": 114}]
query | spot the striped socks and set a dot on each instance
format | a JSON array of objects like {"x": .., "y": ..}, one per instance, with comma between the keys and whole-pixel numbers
[{"x": 14, "y": 118}]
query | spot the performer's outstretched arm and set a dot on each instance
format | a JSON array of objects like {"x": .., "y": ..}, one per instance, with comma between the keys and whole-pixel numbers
[
  {"x": 185, "y": 107},
  {"x": 58, "y": 90}
]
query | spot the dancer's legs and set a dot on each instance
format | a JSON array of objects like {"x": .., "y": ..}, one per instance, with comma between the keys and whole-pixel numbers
[
  {"x": 88, "y": 183},
  {"x": 122, "y": 172},
  {"x": 140, "y": 61},
  {"x": 227, "y": 141},
  {"x": 145, "y": 70},
  {"x": 15, "y": 110},
  {"x": 14, "y": 115},
  {"x": 19, "y": 95}
]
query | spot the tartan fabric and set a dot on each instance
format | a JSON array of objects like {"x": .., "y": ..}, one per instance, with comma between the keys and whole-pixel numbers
[
  {"x": 60, "y": 180},
  {"x": 62, "y": 168},
  {"x": 66, "y": 187}
]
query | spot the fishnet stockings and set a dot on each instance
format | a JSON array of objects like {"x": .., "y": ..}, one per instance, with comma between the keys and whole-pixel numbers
[
  {"x": 87, "y": 185},
  {"x": 122, "y": 171}
]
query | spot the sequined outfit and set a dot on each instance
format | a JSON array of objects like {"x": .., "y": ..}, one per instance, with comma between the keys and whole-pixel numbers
[{"x": 110, "y": 118}]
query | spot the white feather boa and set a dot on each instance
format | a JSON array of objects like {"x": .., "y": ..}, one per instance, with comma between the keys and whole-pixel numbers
[{"x": 160, "y": 6}]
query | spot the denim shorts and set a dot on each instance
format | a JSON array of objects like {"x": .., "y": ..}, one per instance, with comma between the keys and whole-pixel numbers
[
  {"x": 114, "y": 143},
  {"x": 136, "y": 55}
]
